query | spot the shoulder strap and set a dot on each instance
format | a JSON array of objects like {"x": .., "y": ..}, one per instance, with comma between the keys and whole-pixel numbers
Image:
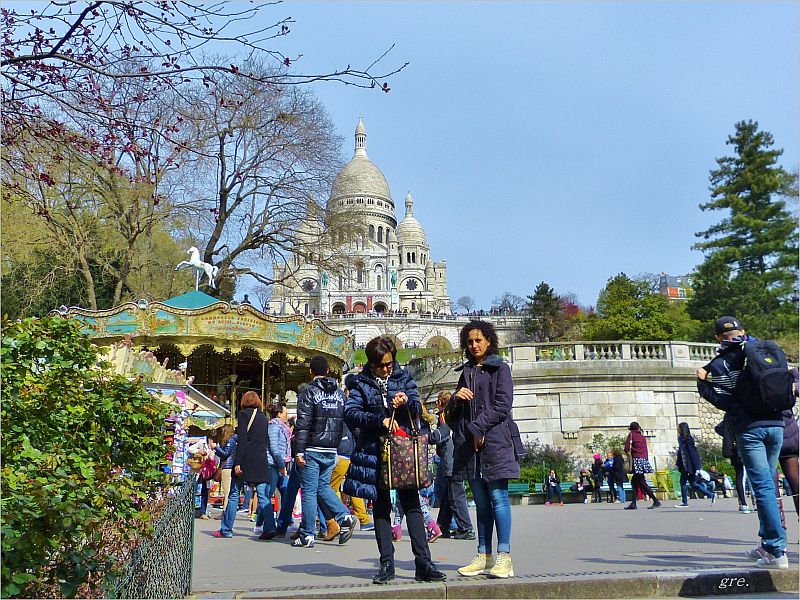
[{"x": 253, "y": 416}]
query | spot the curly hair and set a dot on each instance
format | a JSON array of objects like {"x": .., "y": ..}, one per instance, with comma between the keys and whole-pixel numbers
[{"x": 486, "y": 328}]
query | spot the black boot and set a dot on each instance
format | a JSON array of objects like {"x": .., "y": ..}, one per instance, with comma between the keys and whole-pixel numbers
[
  {"x": 655, "y": 504},
  {"x": 385, "y": 574},
  {"x": 429, "y": 573},
  {"x": 631, "y": 506}
]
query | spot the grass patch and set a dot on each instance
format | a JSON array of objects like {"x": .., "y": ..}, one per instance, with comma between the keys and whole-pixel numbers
[{"x": 404, "y": 355}]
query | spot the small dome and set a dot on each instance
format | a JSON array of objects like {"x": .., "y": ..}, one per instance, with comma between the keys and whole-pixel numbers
[{"x": 409, "y": 231}]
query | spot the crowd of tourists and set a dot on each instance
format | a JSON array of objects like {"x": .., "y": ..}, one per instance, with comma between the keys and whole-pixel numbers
[{"x": 356, "y": 445}]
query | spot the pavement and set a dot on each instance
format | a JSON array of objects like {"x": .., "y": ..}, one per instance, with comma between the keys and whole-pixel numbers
[{"x": 572, "y": 551}]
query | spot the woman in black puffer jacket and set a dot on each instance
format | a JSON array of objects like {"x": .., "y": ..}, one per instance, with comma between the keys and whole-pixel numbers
[{"x": 382, "y": 387}]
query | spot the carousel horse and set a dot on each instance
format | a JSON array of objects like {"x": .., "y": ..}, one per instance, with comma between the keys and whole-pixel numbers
[{"x": 199, "y": 267}]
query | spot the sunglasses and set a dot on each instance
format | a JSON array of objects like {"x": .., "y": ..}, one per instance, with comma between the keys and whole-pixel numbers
[{"x": 383, "y": 365}]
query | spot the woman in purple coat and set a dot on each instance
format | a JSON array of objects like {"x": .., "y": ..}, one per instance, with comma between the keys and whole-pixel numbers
[{"x": 487, "y": 445}]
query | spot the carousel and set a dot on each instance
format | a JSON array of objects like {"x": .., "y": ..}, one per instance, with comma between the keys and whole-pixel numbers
[{"x": 223, "y": 348}]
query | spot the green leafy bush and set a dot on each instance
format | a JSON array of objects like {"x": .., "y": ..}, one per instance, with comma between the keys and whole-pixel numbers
[
  {"x": 81, "y": 449},
  {"x": 540, "y": 458},
  {"x": 602, "y": 444}
]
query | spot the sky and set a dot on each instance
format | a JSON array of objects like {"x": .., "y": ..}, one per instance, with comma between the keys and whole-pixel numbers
[{"x": 563, "y": 142}]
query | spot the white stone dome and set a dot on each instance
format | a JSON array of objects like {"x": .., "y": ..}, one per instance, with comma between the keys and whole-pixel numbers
[
  {"x": 360, "y": 177},
  {"x": 410, "y": 231}
]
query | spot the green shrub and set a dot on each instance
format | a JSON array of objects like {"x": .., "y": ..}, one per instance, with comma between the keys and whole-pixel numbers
[
  {"x": 601, "y": 444},
  {"x": 540, "y": 458},
  {"x": 81, "y": 449}
]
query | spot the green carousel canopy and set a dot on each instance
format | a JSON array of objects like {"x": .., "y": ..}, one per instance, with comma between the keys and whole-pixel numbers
[{"x": 195, "y": 319}]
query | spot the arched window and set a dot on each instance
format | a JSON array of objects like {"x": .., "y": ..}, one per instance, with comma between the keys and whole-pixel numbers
[
  {"x": 408, "y": 258},
  {"x": 380, "y": 235},
  {"x": 341, "y": 282},
  {"x": 360, "y": 272},
  {"x": 372, "y": 232},
  {"x": 306, "y": 308},
  {"x": 414, "y": 257},
  {"x": 379, "y": 282},
  {"x": 413, "y": 306}
]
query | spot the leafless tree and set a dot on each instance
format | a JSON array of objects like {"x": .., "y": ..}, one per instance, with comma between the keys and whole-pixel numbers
[
  {"x": 58, "y": 61},
  {"x": 262, "y": 157},
  {"x": 466, "y": 302}
]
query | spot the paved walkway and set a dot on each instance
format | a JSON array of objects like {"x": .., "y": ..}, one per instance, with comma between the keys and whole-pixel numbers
[{"x": 579, "y": 550}]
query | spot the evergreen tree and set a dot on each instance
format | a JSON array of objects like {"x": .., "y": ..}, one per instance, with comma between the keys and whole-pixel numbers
[
  {"x": 544, "y": 321},
  {"x": 750, "y": 268}
]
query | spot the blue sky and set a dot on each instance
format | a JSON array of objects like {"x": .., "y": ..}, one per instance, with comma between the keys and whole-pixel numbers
[{"x": 555, "y": 141}]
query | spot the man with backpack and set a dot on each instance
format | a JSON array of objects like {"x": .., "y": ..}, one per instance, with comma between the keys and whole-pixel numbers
[
  {"x": 750, "y": 381},
  {"x": 318, "y": 431}
]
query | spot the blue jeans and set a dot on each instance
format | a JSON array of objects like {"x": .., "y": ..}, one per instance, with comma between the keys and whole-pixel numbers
[
  {"x": 248, "y": 494},
  {"x": 288, "y": 498},
  {"x": 759, "y": 448},
  {"x": 315, "y": 479},
  {"x": 701, "y": 486},
  {"x": 620, "y": 492},
  {"x": 493, "y": 510},
  {"x": 268, "y": 514},
  {"x": 229, "y": 516}
]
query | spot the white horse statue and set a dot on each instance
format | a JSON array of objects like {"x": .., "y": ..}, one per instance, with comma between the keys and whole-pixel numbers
[{"x": 199, "y": 267}]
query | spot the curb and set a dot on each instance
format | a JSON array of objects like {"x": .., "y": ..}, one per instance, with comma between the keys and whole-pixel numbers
[{"x": 717, "y": 582}]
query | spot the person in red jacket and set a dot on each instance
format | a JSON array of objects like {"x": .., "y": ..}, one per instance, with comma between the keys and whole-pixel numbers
[{"x": 636, "y": 444}]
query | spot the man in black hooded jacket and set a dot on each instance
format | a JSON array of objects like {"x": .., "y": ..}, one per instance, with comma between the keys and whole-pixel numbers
[{"x": 318, "y": 432}]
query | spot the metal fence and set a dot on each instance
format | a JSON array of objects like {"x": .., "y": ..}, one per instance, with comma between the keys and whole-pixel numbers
[{"x": 161, "y": 567}]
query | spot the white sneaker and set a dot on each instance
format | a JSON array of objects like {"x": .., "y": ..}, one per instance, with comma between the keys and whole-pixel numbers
[
  {"x": 744, "y": 509},
  {"x": 770, "y": 562},
  {"x": 480, "y": 565},
  {"x": 756, "y": 553},
  {"x": 681, "y": 506},
  {"x": 258, "y": 529},
  {"x": 503, "y": 568}
]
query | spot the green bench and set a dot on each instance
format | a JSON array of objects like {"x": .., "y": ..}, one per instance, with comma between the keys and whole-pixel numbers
[
  {"x": 629, "y": 489},
  {"x": 517, "y": 490},
  {"x": 569, "y": 496}
]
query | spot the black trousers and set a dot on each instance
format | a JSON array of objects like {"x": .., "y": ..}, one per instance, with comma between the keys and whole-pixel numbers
[
  {"x": 639, "y": 482},
  {"x": 381, "y": 513},
  {"x": 454, "y": 504}
]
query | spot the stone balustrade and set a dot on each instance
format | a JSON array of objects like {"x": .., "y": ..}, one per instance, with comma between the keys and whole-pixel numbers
[{"x": 565, "y": 392}]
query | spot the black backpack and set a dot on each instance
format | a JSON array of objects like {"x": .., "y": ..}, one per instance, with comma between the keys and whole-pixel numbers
[{"x": 765, "y": 384}]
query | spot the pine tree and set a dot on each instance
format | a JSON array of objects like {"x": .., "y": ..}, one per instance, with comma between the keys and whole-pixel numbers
[
  {"x": 750, "y": 269},
  {"x": 544, "y": 321}
]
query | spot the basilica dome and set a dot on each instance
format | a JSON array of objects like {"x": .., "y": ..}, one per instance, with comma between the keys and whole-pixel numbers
[{"x": 359, "y": 177}]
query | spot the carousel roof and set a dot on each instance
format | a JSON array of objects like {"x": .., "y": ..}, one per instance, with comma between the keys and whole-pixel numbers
[
  {"x": 195, "y": 319},
  {"x": 190, "y": 300}
]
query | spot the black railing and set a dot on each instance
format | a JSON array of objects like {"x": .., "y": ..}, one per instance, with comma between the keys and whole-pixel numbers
[{"x": 161, "y": 566}]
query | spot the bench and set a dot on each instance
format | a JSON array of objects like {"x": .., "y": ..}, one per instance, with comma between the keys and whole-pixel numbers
[
  {"x": 516, "y": 492},
  {"x": 629, "y": 490},
  {"x": 569, "y": 497}
]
